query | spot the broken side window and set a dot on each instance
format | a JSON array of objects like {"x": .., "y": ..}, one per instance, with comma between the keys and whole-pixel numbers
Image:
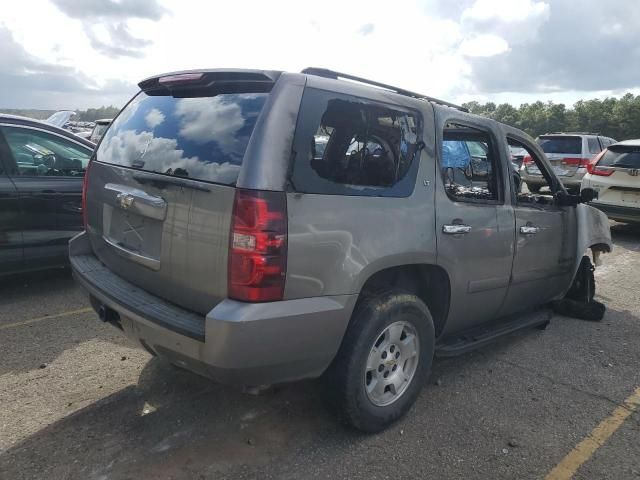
[
  {"x": 469, "y": 163},
  {"x": 535, "y": 188},
  {"x": 351, "y": 146}
]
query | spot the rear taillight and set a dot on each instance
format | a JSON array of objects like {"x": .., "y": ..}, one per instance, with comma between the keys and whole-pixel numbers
[
  {"x": 594, "y": 169},
  {"x": 85, "y": 183},
  {"x": 258, "y": 246},
  {"x": 527, "y": 160},
  {"x": 576, "y": 162}
]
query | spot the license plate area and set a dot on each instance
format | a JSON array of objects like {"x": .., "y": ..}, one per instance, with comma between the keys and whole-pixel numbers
[
  {"x": 134, "y": 236},
  {"x": 631, "y": 197}
]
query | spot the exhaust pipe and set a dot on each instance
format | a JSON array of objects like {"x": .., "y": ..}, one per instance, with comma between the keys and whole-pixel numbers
[{"x": 107, "y": 314}]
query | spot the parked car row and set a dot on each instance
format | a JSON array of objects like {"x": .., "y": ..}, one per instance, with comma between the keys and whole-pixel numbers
[{"x": 569, "y": 154}]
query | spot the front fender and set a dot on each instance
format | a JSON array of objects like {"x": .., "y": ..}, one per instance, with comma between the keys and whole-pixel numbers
[{"x": 592, "y": 232}]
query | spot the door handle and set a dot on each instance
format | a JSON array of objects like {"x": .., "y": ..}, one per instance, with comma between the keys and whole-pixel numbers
[
  {"x": 456, "y": 229},
  {"x": 529, "y": 230}
]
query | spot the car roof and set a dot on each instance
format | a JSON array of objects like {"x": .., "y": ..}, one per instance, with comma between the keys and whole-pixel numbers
[
  {"x": 570, "y": 134},
  {"x": 31, "y": 122},
  {"x": 627, "y": 143}
]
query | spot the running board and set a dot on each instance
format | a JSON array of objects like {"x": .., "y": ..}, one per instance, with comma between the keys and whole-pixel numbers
[{"x": 481, "y": 336}]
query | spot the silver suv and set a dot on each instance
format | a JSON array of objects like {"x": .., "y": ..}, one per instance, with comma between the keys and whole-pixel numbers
[
  {"x": 569, "y": 154},
  {"x": 259, "y": 227}
]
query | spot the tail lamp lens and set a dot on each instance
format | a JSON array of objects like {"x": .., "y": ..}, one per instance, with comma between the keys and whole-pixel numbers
[
  {"x": 594, "y": 169},
  {"x": 258, "y": 246}
]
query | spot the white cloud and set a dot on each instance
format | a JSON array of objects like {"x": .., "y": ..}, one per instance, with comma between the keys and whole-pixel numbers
[
  {"x": 408, "y": 42},
  {"x": 506, "y": 10},
  {"x": 163, "y": 156},
  {"x": 202, "y": 120},
  {"x": 483, "y": 46},
  {"x": 154, "y": 118}
]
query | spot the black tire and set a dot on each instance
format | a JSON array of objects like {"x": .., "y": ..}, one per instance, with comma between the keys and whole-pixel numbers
[
  {"x": 534, "y": 188},
  {"x": 344, "y": 381}
]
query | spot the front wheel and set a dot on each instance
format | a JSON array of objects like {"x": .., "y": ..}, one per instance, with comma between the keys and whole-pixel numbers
[{"x": 383, "y": 361}]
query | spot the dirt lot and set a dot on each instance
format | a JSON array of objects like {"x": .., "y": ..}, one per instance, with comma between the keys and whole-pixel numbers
[{"x": 78, "y": 401}]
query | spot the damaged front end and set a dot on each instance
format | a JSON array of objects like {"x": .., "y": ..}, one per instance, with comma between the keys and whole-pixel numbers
[{"x": 593, "y": 233}]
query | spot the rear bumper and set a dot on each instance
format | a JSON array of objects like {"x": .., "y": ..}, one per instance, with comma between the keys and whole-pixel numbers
[
  {"x": 538, "y": 180},
  {"x": 618, "y": 212},
  {"x": 235, "y": 343}
]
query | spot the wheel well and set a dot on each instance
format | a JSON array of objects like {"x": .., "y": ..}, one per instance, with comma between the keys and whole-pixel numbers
[
  {"x": 600, "y": 247},
  {"x": 429, "y": 282}
]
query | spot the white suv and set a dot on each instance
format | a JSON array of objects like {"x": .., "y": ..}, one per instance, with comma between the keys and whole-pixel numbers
[
  {"x": 615, "y": 175},
  {"x": 569, "y": 154}
]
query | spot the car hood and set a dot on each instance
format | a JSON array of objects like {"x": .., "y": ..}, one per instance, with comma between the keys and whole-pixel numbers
[{"x": 59, "y": 119}]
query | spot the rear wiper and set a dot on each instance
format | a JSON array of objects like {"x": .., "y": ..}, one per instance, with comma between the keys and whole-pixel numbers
[{"x": 159, "y": 181}]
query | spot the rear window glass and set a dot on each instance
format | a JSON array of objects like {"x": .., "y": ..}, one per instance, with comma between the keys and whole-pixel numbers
[
  {"x": 204, "y": 138},
  {"x": 564, "y": 144},
  {"x": 621, "y": 157}
]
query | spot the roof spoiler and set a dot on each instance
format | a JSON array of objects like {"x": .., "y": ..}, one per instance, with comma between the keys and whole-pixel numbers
[{"x": 197, "y": 82}]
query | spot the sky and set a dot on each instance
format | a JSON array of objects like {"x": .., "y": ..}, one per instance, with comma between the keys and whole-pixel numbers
[{"x": 76, "y": 54}]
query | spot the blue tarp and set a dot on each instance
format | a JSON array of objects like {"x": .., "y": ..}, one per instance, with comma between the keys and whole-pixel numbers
[{"x": 455, "y": 154}]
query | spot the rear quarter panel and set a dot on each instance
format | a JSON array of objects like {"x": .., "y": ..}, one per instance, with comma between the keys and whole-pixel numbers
[{"x": 337, "y": 242}]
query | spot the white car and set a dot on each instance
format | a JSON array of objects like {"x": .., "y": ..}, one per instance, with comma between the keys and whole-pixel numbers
[{"x": 615, "y": 175}]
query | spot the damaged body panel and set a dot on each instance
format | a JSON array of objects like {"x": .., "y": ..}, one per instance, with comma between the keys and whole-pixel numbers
[{"x": 321, "y": 210}]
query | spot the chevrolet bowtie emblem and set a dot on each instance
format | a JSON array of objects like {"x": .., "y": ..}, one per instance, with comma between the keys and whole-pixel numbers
[{"x": 125, "y": 200}]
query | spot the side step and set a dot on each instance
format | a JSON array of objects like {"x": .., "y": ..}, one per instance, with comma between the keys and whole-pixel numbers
[{"x": 480, "y": 336}]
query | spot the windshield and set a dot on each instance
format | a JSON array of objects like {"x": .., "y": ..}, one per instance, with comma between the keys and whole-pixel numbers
[
  {"x": 621, "y": 157},
  {"x": 204, "y": 138},
  {"x": 561, "y": 144}
]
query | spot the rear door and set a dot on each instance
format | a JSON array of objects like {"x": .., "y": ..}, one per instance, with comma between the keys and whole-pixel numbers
[
  {"x": 474, "y": 224},
  {"x": 161, "y": 189},
  {"x": 10, "y": 219},
  {"x": 47, "y": 170},
  {"x": 565, "y": 154}
]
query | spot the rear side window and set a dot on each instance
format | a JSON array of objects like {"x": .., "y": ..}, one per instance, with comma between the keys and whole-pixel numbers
[
  {"x": 594, "y": 145},
  {"x": 204, "y": 138},
  {"x": 621, "y": 157},
  {"x": 350, "y": 146},
  {"x": 561, "y": 144}
]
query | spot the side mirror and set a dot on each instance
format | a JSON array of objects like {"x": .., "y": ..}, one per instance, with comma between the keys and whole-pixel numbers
[{"x": 587, "y": 195}]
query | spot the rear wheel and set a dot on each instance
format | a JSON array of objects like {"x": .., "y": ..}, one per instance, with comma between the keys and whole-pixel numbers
[
  {"x": 534, "y": 188},
  {"x": 383, "y": 361}
]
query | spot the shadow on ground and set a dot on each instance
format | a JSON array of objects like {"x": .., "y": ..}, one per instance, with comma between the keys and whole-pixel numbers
[{"x": 174, "y": 424}]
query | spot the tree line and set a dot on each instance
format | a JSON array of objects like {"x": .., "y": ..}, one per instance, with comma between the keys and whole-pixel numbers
[
  {"x": 618, "y": 118},
  {"x": 88, "y": 115}
]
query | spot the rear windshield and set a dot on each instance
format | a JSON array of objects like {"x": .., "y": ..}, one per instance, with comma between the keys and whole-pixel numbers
[
  {"x": 204, "y": 138},
  {"x": 563, "y": 144},
  {"x": 621, "y": 157}
]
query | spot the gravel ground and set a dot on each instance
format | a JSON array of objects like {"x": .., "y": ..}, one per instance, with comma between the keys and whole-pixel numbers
[{"x": 77, "y": 400}]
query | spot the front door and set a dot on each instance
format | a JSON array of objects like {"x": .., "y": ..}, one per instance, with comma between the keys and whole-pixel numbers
[
  {"x": 10, "y": 225},
  {"x": 47, "y": 171},
  {"x": 545, "y": 241},
  {"x": 474, "y": 225}
]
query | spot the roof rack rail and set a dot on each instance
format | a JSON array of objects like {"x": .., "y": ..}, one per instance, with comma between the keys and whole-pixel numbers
[
  {"x": 571, "y": 133},
  {"x": 326, "y": 73}
]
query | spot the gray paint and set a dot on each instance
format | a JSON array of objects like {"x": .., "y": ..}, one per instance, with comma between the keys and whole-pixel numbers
[{"x": 335, "y": 244}]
